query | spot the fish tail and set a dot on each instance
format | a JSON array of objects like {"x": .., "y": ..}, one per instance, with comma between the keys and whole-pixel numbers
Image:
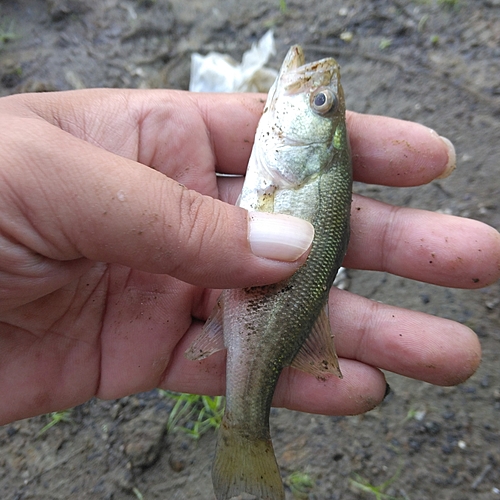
[{"x": 245, "y": 465}]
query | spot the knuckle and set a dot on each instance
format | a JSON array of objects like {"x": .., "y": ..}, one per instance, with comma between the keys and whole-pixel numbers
[{"x": 200, "y": 219}]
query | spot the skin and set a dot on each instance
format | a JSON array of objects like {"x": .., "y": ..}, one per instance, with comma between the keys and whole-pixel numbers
[{"x": 109, "y": 266}]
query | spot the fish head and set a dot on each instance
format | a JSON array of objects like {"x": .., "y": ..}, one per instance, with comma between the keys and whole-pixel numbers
[{"x": 303, "y": 120}]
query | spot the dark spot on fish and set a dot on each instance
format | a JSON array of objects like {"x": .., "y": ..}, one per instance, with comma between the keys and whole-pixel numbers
[
  {"x": 285, "y": 289},
  {"x": 475, "y": 280}
]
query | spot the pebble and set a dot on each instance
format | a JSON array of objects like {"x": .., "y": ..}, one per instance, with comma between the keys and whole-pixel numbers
[
  {"x": 177, "y": 465},
  {"x": 146, "y": 433}
]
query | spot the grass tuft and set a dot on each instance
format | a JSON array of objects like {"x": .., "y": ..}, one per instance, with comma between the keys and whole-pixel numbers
[
  {"x": 449, "y": 4},
  {"x": 7, "y": 32},
  {"x": 385, "y": 43},
  {"x": 193, "y": 414},
  {"x": 378, "y": 491},
  {"x": 55, "y": 418},
  {"x": 300, "y": 484}
]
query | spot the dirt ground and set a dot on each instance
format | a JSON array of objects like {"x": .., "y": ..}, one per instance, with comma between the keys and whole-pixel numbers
[{"x": 435, "y": 62}]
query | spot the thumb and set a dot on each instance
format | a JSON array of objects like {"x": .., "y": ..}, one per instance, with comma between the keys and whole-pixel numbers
[{"x": 84, "y": 201}]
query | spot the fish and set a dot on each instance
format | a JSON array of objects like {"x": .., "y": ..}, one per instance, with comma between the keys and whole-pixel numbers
[{"x": 300, "y": 165}]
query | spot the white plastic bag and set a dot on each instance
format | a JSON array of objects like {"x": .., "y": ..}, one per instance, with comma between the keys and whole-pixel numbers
[{"x": 217, "y": 72}]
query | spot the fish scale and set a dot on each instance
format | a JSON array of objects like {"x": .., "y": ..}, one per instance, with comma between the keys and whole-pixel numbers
[{"x": 301, "y": 166}]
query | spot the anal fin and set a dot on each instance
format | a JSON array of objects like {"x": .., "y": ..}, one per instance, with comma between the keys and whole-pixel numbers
[{"x": 317, "y": 355}]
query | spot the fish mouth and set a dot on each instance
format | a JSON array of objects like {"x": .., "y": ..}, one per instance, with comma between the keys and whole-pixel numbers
[
  {"x": 293, "y": 59},
  {"x": 296, "y": 76}
]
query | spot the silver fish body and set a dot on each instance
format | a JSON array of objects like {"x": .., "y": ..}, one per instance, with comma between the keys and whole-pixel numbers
[{"x": 301, "y": 166}]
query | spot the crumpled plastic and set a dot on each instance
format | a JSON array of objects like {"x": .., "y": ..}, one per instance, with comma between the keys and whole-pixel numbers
[{"x": 218, "y": 72}]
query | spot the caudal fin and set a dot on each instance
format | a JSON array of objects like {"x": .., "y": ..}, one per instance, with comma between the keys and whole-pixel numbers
[{"x": 244, "y": 465}]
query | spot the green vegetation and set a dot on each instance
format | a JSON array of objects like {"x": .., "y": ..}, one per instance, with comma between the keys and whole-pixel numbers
[
  {"x": 137, "y": 493},
  {"x": 434, "y": 39},
  {"x": 55, "y": 418},
  {"x": 422, "y": 23},
  {"x": 450, "y": 4},
  {"x": 384, "y": 43},
  {"x": 300, "y": 484},
  {"x": 193, "y": 414},
  {"x": 415, "y": 414},
  {"x": 7, "y": 32},
  {"x": 378, "y": 491},
  {"x": 283, "y": 6}
]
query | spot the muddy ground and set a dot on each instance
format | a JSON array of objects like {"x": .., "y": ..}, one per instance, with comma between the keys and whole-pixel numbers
[{"x": 435, "y": 62}]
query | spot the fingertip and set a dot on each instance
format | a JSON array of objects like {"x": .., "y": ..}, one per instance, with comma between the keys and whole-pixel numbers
[
  {"x": 366, "y": 386},
  {"x": 396, "y": 152},
  {"x": 481, "y": 246},
  {"x": 466, "y": 360},
  {"x": 451, "y": 164},
  {"x": 361, "y": 389},
  {"x": 279, "y": 237}
]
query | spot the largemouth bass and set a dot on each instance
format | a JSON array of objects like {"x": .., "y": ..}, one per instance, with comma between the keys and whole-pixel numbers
[{"x": 300, "y": 165}]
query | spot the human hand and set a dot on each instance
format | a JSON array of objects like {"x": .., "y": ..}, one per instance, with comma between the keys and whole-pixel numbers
[{"x": 109, "y": 265}]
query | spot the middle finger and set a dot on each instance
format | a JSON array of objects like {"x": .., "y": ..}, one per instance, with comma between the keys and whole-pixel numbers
[{"x": 426, "y": 246}]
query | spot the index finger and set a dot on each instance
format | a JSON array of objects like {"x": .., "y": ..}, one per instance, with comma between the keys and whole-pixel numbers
[
  {"x": 385, "y": 150},
  {"x": 396, "y": 152}
]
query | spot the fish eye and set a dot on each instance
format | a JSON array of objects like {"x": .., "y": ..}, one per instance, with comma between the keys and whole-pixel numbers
[{"x": 323, "y": 101}]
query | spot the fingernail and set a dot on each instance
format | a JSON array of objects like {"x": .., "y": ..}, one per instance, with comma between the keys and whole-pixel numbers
[
  {"x": 387, "y": 391},
  {"x": 278, "y": 236},
  {"x": 452, "y": 158}
]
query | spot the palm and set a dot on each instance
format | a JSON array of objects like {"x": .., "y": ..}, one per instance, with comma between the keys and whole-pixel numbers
[{"x": 109, "y": 331}]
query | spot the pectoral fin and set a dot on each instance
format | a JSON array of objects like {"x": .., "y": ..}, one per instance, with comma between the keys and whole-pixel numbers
[
  {"x": 211, "y": 338},
  {"x": 317, "y": 355}
]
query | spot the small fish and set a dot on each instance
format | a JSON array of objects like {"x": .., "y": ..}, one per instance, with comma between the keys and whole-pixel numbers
[{"x": 300, "y": 165}]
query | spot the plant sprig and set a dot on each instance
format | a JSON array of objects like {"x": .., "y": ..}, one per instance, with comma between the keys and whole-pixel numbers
[
  {"x": 364, "y": 485},
  {"x": 194, "y": 414},
  {"x": 56, "y": 417}
]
